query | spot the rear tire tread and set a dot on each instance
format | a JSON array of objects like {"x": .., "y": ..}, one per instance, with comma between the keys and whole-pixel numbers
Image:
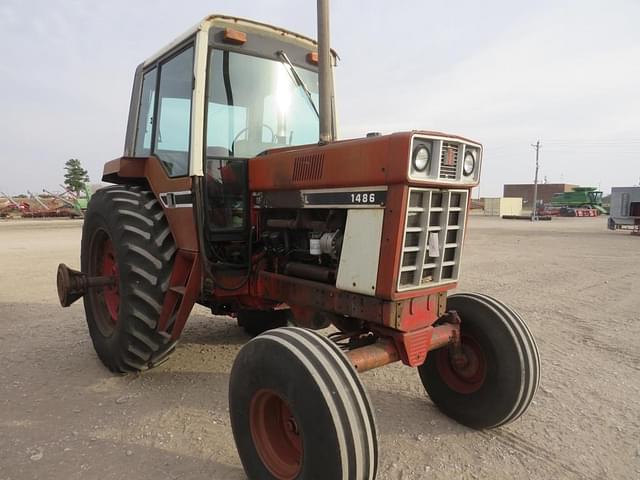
[{"x": 145, "y": 249}]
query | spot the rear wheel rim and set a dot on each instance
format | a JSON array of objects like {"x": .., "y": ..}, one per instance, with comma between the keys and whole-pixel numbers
[
  {"x": 468, "y": 373},
  {"x": 275, "y": 434},
  {"x": 105, "y": 301},
  {"x": 110, "y": 269}
]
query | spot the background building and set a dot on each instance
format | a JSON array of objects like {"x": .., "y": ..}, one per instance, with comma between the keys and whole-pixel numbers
[
  {"x": 545, "y": 191},
  {"x": 502, "y": 206}
]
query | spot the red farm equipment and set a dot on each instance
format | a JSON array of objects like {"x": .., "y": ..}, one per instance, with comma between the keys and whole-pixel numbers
[
  {"x": 234, "y": 193},
  {"x": 13, "y": 207}
]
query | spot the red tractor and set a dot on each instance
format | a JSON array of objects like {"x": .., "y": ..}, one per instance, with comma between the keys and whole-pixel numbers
[{"x": 233, "y": 193}]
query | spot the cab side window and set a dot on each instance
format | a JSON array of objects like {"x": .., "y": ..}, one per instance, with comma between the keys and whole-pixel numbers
[
  {"x": 144, "y": 129},
  {"x": 173, "y": 126}
]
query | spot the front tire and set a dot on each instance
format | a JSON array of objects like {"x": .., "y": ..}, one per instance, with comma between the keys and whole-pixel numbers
[
  {"x": 501, "y": 372},
  {"x": 299, "y": 411},
  {"x": 126, "y": 236}
]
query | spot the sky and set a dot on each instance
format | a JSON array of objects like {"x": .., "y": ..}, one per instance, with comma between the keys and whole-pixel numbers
[{"x": 505, "y": 73}]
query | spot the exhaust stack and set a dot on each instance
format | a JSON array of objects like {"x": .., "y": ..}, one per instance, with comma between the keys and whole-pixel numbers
[{"x": 325, "y": 75}]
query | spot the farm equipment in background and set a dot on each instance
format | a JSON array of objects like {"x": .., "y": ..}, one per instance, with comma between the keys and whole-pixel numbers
[
  {"x": 50, "y": 205},
  {"x": 581, "y": 202},
  {"x": 248, "y": 205},
  {"x": 38, "y": 201},
  {"x": 79, "y": 199},
  {"x": 550, "y": 211},
  {"x": 42, "y": 210},
  {"x": 13, "y": 208},
  {"x": 76, "y": 203}
]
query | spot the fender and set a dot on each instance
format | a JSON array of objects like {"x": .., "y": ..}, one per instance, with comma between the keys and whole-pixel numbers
[{"x": 149, "y": 172}]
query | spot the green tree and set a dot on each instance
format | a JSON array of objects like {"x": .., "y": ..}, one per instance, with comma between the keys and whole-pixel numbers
[{"x": 76, "y": 176}]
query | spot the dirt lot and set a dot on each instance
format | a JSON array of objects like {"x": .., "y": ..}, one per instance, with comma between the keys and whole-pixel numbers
[{"x": 64, "y": 416}]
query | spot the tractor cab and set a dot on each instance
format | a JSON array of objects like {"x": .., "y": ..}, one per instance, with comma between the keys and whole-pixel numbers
[{"x": 227, "y": 91}]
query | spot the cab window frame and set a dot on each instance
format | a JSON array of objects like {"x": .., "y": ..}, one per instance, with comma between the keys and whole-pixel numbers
[
  {"x": 230, "y": 232},
  {"x": 157, "y": 65},
  {"x": 150, "y": 109}
]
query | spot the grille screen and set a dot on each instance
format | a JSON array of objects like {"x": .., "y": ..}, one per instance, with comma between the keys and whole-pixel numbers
[
  {"x": 307, "y": 167},
  {"x": 433, "y": 237},
  {"x": 449, "y": 160}
]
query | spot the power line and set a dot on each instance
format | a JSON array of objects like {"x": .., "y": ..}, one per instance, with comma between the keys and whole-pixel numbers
[{"x": 620, "y": 141}]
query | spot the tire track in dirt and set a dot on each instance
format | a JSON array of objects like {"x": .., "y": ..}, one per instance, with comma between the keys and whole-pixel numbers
[
  {"x": 532, "y": 451},
  {"x": 591, "y": 342},
  {"x": 585, "y": 338}
]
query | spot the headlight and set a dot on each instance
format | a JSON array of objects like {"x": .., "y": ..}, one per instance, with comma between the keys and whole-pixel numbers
[
  {"x": 469, "y": 164},
  {"x": 421, "y": 158}
]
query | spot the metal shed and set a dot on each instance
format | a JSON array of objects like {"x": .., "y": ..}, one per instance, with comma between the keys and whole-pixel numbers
[{"x": 625, "y": 208}]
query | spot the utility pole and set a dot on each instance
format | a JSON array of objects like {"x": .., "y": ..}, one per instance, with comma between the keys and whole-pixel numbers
[{"x": 534, "y": 212}]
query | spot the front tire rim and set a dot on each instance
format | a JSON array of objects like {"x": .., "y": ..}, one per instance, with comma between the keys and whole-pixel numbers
[
  {"x": 467, "y": 376},
  {"x": 105, "y": 301},
  {"x": 275, "y": 434}
]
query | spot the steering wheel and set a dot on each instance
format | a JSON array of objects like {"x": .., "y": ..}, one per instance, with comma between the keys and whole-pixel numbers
[{"x": 244, "y": 130}]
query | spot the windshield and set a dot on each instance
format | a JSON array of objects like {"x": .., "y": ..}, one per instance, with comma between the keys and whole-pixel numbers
[{"x": 254, "y": 104}]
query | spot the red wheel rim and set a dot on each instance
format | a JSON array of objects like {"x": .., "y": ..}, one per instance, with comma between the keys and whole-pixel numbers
[
  {"x": 275, "y": 434},
  {"x": 467, "y": 373},
  {"x": 109, "y": 268}
]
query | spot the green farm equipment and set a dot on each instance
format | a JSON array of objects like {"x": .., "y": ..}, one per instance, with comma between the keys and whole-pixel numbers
[{"x": 580, "y": 197}]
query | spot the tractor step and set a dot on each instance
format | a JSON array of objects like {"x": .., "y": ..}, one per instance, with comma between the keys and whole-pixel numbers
[{"x": 184, "y": 287}]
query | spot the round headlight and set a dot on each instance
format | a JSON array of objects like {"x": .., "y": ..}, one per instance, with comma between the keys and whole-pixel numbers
[
  {"x": 469, "y": 164},
  {"x": 421, "y": 158}
]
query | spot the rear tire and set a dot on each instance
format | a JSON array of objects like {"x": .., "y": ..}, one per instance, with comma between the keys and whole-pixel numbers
[
  {"x": 502, "y": 373},
  {"x": 125, "y": 230},
  {"x": 299, "y": 411},
  {"x": 255, "y": 322}
]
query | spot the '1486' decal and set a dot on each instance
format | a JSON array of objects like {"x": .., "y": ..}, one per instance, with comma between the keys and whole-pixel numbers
[
  {"x": 363, "y": 197},
  {"x": 375, "y": 198}
]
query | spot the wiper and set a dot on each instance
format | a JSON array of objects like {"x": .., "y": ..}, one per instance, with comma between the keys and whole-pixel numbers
[{"x": 297, "y": 79}]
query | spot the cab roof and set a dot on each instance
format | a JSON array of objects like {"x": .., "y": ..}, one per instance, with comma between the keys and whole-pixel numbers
[{"x": 226, "y": 20}]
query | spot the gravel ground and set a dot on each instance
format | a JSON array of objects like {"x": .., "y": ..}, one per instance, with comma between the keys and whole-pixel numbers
[{"x": 64, "y": 416}]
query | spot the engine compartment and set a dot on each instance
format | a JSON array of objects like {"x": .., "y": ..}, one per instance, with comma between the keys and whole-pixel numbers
[{"x": 303, "y": 243}]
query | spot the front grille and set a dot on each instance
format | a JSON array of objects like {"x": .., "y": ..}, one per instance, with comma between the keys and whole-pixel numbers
[
  {"x": 449, "y": 160},
  {"x": 433, "y": 235}
]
